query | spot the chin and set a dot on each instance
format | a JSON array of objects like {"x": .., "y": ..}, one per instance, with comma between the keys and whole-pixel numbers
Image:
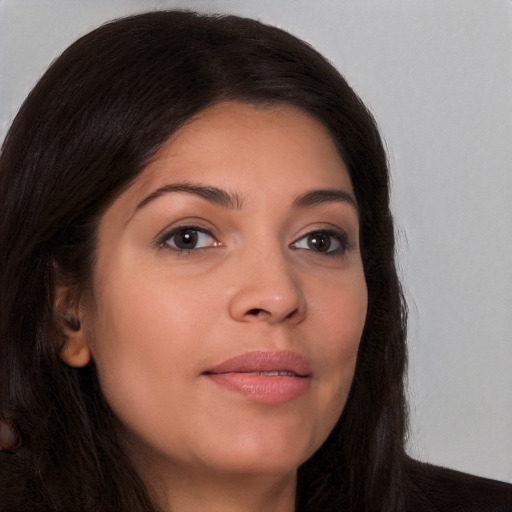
[{"x": 265, "y": 455}]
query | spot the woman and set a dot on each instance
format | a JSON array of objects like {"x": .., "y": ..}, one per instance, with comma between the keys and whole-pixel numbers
[{"x": 200, "y": 304}]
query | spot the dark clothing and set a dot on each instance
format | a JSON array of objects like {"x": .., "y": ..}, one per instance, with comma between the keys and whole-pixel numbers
[{"x": 435, "y": 489}]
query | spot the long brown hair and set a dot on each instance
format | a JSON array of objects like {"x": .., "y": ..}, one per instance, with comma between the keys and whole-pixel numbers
[{"x": 84, "y": 133}]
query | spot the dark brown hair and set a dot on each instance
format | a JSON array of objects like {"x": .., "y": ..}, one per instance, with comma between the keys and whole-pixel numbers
[{"x": 84, "y": 133}]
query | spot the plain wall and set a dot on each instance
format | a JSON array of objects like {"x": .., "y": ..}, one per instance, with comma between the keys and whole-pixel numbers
[{"x": 438, "y": 77}]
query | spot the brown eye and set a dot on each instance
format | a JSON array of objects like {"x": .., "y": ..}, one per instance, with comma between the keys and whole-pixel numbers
[
  {"x": 327, "y": 242},
  {"x": 188, "y": 238},
  {"x": 320, "y": 242}
]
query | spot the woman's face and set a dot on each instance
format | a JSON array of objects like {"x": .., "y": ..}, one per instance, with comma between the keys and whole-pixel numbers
[{"x": 228, "y": 298}]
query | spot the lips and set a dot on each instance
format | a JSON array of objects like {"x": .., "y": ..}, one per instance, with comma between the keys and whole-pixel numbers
[
  {"x": 265, "y": 377},
  {"x": 257, "y": 362}
]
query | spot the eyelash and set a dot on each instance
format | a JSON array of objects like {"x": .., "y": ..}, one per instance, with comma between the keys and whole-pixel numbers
[
  {"x": 163, "y": 240},
  {"x": 339, "y": 236}
]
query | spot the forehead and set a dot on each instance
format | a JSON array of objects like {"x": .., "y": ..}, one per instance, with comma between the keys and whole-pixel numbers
[{"x": 250, "y": 150}]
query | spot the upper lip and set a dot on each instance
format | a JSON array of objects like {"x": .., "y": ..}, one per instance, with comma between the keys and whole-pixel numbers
[{"x": 253, "y": 362}]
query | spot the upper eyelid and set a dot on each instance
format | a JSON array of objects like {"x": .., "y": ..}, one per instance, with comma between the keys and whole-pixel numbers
[
  {"x": 323, "y": 229},
  {"x": 196, "y": 223},
  {"x": 326, "y": 227},
  {"x": 339, "y": 233}
]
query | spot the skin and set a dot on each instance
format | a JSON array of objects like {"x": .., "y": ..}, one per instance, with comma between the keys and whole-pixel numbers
[{"x": 157, "y": 319}]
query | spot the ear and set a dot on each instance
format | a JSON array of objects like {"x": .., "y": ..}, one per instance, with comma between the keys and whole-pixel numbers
[{"x": 67, "y": 313}]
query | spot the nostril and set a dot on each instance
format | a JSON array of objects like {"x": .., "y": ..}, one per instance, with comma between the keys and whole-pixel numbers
[
  {"x": 255, "y": 312},
  {"x": 293, "y": 313}
]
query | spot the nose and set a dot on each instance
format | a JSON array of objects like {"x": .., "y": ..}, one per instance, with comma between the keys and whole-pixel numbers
[{"x": 267, "y": 290}]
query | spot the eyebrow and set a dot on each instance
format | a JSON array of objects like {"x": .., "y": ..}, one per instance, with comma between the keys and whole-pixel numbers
[
  {"x": 317, "y": 197},
  {"x": 212, "y": 194},
  {"x": 233, "y": 201}
]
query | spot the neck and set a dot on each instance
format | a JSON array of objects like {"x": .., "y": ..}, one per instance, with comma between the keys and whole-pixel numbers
[{"x": 228, "y": 494}]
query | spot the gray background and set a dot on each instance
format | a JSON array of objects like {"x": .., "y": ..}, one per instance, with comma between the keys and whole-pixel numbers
[{"x": 437, "y": 75}]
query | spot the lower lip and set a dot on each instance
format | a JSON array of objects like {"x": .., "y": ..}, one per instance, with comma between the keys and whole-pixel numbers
[{"x": 277, "y": 389}]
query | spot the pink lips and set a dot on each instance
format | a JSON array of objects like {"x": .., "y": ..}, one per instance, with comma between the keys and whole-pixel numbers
[{"x": 266, "y": 377}]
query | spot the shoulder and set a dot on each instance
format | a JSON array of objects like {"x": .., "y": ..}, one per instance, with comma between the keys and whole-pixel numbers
[{"x": 434, "y": 489}]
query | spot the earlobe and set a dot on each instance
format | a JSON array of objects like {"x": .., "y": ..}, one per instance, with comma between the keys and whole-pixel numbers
[{"x": 74, "y": 350}]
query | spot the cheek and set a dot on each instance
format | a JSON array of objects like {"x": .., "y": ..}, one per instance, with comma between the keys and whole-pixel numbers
[
  {"x": 143, "y": 301},
  {"x": 341, "y": 308},
  {"x": 343, "y": 314},
  {"x": 147, "y": 335}
]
